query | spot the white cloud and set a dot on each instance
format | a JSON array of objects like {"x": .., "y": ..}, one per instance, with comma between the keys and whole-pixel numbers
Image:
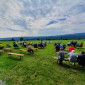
[{"x": 29, "y": 17}]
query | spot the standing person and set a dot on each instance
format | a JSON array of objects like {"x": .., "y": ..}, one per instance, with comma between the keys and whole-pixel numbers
[
  {"x": 61, "y": 55},
  {"x": 29, "y": 49},
  {"x": 71, "y": 48}
]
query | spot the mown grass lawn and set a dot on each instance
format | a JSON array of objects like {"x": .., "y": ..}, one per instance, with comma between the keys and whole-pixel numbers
[{"x": 40, "y": 68}]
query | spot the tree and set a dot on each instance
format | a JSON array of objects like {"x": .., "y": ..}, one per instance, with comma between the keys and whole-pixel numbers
[
  {"x": 12, "y": 39},
  {"x": 21, "y": 39},
  {"x": 38, "y": 38}
]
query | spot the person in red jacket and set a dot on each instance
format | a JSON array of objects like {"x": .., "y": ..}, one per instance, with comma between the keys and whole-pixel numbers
[
  {"x": 71, "y": 48},
  {"x": 81, "y": 44}
]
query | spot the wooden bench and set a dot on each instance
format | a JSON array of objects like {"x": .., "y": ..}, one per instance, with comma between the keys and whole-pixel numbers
[
  {"x": 21, "y": 55},
  {"x": 22, "y": 50},
  {"x": 64, "y": 60},
  {"x": 8, "y": 49},
  {"x": 25, "y": 51},
  {"x": 16, "y": 47},
  {"x": 64, "y": 52},
  {"x": 35, "y": 48},
  {"x": 80, "y": 47},
  {"x": 1, "y": 51},
  {"x": 66, "y": 49}
]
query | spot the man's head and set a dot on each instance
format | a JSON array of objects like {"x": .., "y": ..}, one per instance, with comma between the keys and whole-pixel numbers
[
  {"x": 61, "y": 49},
  {"x": 73, "y": 51}
]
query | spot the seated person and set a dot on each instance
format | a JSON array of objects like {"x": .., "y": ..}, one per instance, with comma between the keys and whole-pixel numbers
[
  {"x": 71, "y": 48},
  {"x": 61, "y": 46},
  {"x": 69, "y": 43},
  {"x": 15, "y": 44},
  {"x": 61, "y": 55},
  {"x": 64, "y": 46},
  {"x": 58, "y": 43},
  {"x": 33, "y": 44},
  {"x": 72, "y": 57},
  {"x": 81, "y": 44},
  {"x": 8, "y": 44},
  {"x": 57, "y": 48},
  {"x": 30, "y": 43},
  {"x": 77, "y": 44},
  {"x": 51, "y": 42},
  {"x": 74, "y": 43},
  {"x": 24, "y": 44},
  {"x": 81, "y": 59},
  {"x": 1, "y": 46},
  {"x": 20, "y": 43},
  {"x": 36, "y": 45},
  {"x": 41, "y": 45},
  {"x": 55, "y": 44},
  {"x": 29, "y": 49}
]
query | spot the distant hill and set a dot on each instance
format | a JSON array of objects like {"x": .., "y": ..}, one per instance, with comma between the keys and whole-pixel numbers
[
  {"x": 74, "y": 36},
  {"x": 67, "y": 36}
]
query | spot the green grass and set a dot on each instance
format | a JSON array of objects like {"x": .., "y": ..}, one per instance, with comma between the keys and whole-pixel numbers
[{"x": 40, "y": 68}]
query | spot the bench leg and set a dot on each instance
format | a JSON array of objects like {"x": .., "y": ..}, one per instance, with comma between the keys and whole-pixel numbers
[
  {"x": 8, "y": 54},
  {"x": 74, "y": 63},
  {"x": 20, "y": 57},
  {"x": 57, "y": 61}
]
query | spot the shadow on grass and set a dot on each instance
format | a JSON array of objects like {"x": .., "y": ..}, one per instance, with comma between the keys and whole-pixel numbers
[
  {"x": 13, "y": 58},
  {"x": 76, "y": 67}
]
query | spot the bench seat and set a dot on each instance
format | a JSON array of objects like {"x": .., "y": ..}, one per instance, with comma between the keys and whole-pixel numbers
[
  {"x": 8, "y": 49},
  {"x": 1, "y": 51},
  {"x": 21, "y": 55}
]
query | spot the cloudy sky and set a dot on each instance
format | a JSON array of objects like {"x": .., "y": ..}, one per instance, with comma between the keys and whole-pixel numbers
[{"x": 41, "y": 17}]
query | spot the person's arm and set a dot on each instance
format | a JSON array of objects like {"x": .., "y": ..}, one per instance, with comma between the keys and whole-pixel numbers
[
  {"x": 68, "y": 55},
  {"x": 27, "y": 47},
  {"x": 58, "y": 53}
]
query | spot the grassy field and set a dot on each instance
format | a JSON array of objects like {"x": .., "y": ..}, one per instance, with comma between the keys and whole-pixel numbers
[{"x": 40, "y": 68}]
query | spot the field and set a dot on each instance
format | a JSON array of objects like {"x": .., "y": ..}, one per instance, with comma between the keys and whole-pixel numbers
[{"x": 40, "y": 68}]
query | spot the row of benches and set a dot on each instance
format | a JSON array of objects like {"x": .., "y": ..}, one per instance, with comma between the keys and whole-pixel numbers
[{"x": 10, "y": 53}]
